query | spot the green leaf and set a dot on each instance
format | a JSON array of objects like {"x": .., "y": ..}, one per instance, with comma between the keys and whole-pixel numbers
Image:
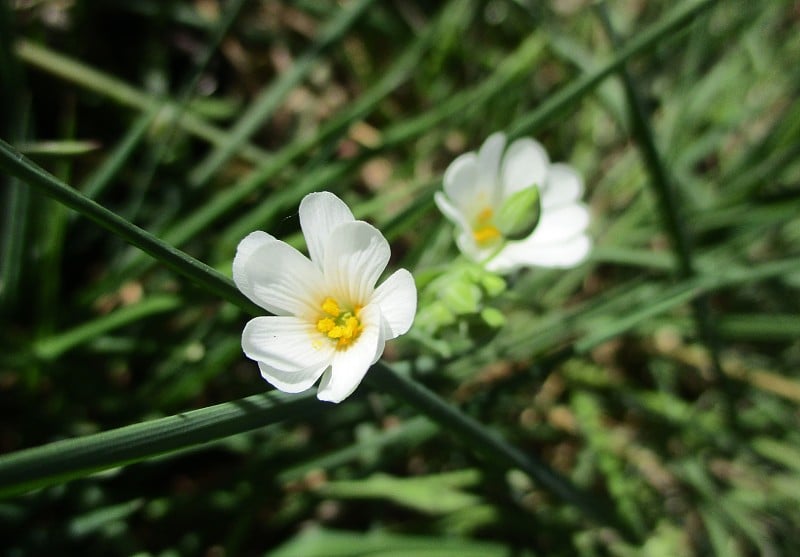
[
  {"x": 493, "y": 317},
  {"x": 434, "y": 494},
  {"x": 461, "y": 297}
]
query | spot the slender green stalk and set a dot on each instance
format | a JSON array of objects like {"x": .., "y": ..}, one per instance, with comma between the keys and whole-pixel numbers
[
  {"x": 119, "y": 91},
  {"x": 62, "y": 461},
  {"x": 485, "y": 441},
  {"x": 684, "y": 292},
  {"x": 98, "y": 180},
  {"x": 671, "y": 213},
  {"x": 270, "y": 98},
  {"x": 52, "y": 347},
  {"x": 27, "y": 470},
  {"x": 211, "y": 280},
  {"x": 570, "y": 94}
]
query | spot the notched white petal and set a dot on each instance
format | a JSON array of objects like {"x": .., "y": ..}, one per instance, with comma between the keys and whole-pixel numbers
[
  {"x": 241, "y": 261},
  {"x": 356, "y": 254},
  {"x": 525, "y": 164},
  {"x": 559, "y": 224},
  {"x": 450, "y": 211},
  {"x": 283, "y": 280},
  {"x": 320, "y": 214},
  {"x": 285, "y": 343},
  {"x": 560, "y": 256},
  {"x": 564, "y": 186},
  {"x": 291, "y": 381},
  {"x": 460, "y": 180},
  {"x": 397, "y": 299}
]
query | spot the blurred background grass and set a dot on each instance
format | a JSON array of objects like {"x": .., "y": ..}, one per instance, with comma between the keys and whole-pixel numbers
[{"x": 669, "y": 391}]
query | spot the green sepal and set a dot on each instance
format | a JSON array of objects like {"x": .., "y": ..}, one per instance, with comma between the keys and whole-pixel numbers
[{"x": 519, "y": 214}]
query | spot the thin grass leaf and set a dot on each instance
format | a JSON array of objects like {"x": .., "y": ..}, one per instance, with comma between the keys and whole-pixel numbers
[
  {"x": 486, "y": 442},
  {"x": 62, "y": 461},
  {"x": 671, "y": 214},
  {"x": 54, "y": 346},
  {"x": 213, "y": 281},
  {"x": 58, "y": 148},
  {"x": 126, "y": 95},
  {"x": 264, "y": 106},
  {"x": 653, "y": 36}
]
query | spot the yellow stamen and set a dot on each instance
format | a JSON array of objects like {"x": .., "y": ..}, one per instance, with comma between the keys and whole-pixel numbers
[
  {"x": 485, "y": 215},
  {"x": 485, "y": 232},
  {"x": 325, "y": 325},
  {"x": 342, "y": 327},
  {"x": 330, "y": 307}
]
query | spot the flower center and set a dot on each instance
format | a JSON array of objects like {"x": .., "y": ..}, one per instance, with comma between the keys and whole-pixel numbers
[
  {"x": 485, "y": 232},
  {"x": 342, "y": 327}
]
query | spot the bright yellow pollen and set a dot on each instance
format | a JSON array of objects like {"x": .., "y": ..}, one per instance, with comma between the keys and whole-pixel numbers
[
  {"x": 484, "y": 231},
  {"x": 330, "y": 307},
  {"x": 342, "y": 327}
]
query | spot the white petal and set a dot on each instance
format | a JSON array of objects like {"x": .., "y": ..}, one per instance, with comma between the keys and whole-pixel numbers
[
  {"x": 450, "y": 211},
  {"x": 244, "y": 250},
  {"x": 525, "y": 164},
  {"x": 468, "y": 246},
  {"x": 320, "y": 214},
  {"x": 278, "y": 278},
  {"x": 489, "y": 167},
  {"x": 397, "y": 299},
  {"x": 291, "y": 381},
  {"x": 564, "y": 186},
  {"x": 564, "y": 255},
  {"x": 559, "y": 224},
  {"x": 286, "y": 343},
  {"x": 461, "y": 184},
  {"x": 356, "y": 254},
  {"x": 351, "y": 365}
]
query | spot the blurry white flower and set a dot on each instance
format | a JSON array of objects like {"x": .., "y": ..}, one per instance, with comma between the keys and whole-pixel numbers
[
  {"x": 330, "y": 321},
  {"x": 481, "y": 189}
]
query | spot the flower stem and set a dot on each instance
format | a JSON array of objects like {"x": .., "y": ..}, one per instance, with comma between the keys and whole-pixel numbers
[{"x": 486, "y": 441}]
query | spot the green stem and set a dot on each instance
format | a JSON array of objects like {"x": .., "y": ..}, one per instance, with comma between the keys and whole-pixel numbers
[
  {"x": 485, "y": 441},
  {"x": 668, "y": 200},
  {"x": 65, "y": 460},
  {"x": 119, "y": 91},
  {"x": 211, "y": 280}
]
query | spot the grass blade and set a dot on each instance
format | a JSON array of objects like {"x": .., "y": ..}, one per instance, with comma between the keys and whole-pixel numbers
[{"x": 62, "y": 461}]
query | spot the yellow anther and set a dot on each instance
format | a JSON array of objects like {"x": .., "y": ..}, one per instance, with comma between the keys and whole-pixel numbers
[
  {"x": 486, "y": 234},
  {"x": 341, "y": 327},
  {"x": 325, "y": 325},
  {"x": 336, "y": 332},
  {"x": 330, "y": 307},
  {"x": 484, "y": 231},
  {"x": 485, "y": 215}
]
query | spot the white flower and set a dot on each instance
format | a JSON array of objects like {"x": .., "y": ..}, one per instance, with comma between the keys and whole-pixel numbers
[
  {"x": 330, "y": 321},
  {"x": 476, "y": 186}
]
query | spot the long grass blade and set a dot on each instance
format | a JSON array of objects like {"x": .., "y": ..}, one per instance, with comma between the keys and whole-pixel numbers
[{"x": 62, "y": 461}]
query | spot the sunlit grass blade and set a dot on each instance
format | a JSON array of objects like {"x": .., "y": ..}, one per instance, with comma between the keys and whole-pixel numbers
[
  {"x": 53, "y": 346},
  {"x": 58, "y": 148},
  {"x": 124, "y": 94},
  {"x": 101, "y": 177},
  {"x": 669, "y": 205},
  {"x": 651, "y": 37},
  {"x": 62, "y": 461},
  {"x": 213, "y": 281}
]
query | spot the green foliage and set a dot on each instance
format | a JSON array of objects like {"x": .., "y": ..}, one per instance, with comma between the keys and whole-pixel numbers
[{"x": 641, "y": 404}]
